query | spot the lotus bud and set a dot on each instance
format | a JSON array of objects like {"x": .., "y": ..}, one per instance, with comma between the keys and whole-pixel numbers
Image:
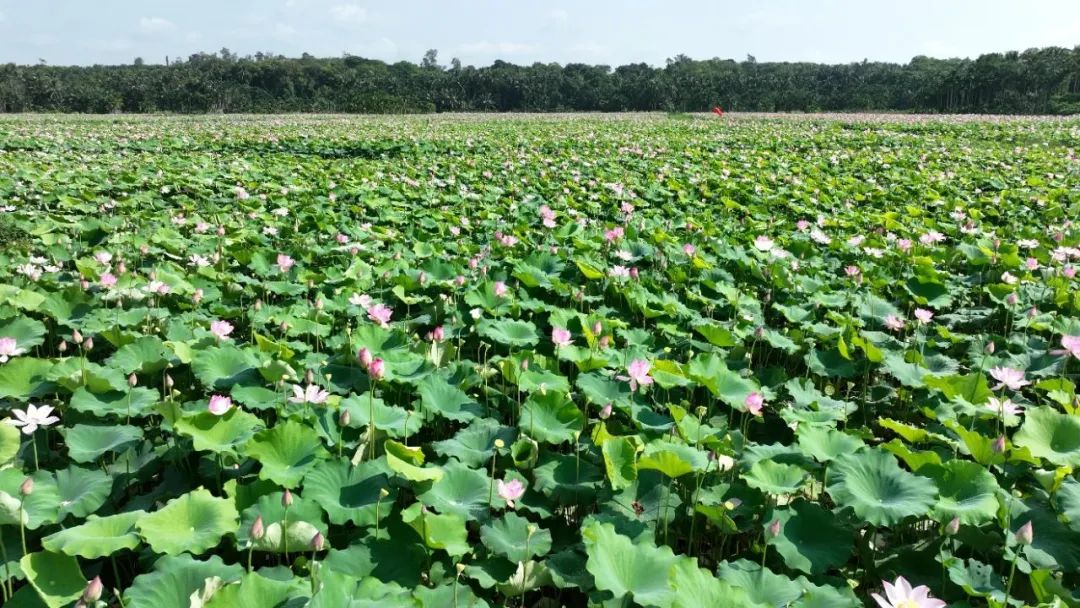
[
  {"x": 88, "y": 344},
  {"x": 999, "y": 445},
  {"x": 377, "y": 369},
  {"x": 634, "y": 273},
  {"x": 460, "y": 280},
  {"x": 26, "y": 488},
  {"x": 62, "y": 347},
  {"x": 364, "y": 357},
  {"x": 597, "y": 328},
  {"x": 605, "y": 342},
  {"x": 1025, "y": 535},
  {"x": 774, "y": 529},
  {"x": 258, "y": 305},
  {"x": 345, "y": 418},
  {"x": 524, "y": 365},
  {"x": 221, "y": 230},
  {"x": 320, "y": 304},
  {"x": 84, "y": 284},
  {"x": 1032, "y": 312},
  {"x": 169, "y": 382},
  {"x": 317, "y": 542},
  {"x": 383, "y": 493},
  {"x": 76, "y": 337},
  {"x": 460, "y": 567},
  {"x": 92, "y": 592},
  {"x": 989, "y": 348},
  {"x": 438, "y": 334},
  {"x": 354, "y": 251},
  {"x": 952, "y": 527},
  {"x": 499, "y": 444},
  {"x": 286, "y": 498},
  {"x": 1011, "y": 299},
  {"x": 605, "y": 412},
  {"x": 258, "y": 530},
  {"x": 701, "y": 410},
  {"x": 121, "y": 268},
  {"x": 309, "y": 377},
  {"x": 283, "y": 327},
  {"x": 132, "y": 380}
]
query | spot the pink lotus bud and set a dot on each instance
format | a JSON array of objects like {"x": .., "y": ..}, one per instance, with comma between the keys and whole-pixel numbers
[
  {"x": 258, "y": 304},
  {"x": 354, "y": 251},
  {"x": 364, "y": 357},
  {"x": 221, "y": 231},
  {"x": 121, "y": 268},
  {"x": 26, "y": 488},
  {"x": 377, "y": 369},
  {"x": 132, "y": 380},
  {"x": 774, "y": 529},
  {"x": 88, "y": 344},
  {"x": 604, "y": 342},
  {"x": 524, "y": 365},
  {"x": 634, "y": 273},
  {"x": 286, "y": 498},
  {"x": 460, "y": 280},
  {"x": 1011, "y": 299},
  {"x": 168, "y": 382},
  {"x": 989, "y": 348},
  {"x": 309, "y": 377},
  {"x": 999, "y": 445},
  {"x": 345, "y": 418},
  {"x": 93, "y": 590},
  {"x": 317, "y": 542},
  {"x": 62, "y": 347},
  {"x": 1025, "y": 535},
  {"x": 76, "y": 337},
  {"x": 258, "y": 530},
  {"x": 952, "y": 527},
  {"x": 605, "y": 412},
  {"x": 597, "y": 328},
  {"x": 438, "y": 334}
]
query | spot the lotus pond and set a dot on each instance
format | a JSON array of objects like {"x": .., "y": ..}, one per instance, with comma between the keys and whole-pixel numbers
[{"x": 539, "y": 361}]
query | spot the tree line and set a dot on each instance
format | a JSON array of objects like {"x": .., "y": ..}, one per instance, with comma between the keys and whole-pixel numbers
[{"x": 1035, "y": 81}]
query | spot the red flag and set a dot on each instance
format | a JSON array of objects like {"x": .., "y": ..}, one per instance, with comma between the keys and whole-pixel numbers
[{"x": 718, "y": 111}]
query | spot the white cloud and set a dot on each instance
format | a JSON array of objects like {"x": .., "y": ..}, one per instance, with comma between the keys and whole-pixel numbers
[
  {"x": 153, "y": 25},
  {"x": 349, "y": 13},
  {"x": 504, "y": 48},
  {"x": 559, "y": 15}
]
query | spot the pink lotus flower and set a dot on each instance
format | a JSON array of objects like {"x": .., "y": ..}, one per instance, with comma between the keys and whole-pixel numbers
[
  {"x": 605, "y": 412},
  {"x": 510, "y": 491},
  {"x": 103, "y": 257},
  {"x": 638, "y": 374},
  {"x": 1001, "y": 407},
  {"x": 619, "y": 272},
  {"x": 438, "y": 334},
  {"x": 364, "y": 356},
  {"x": 9, "y": 347},
  {"x": 219, "y": 404},
  {"x": 901, "y": 595},
  {"x": 108, "y": 280},
  {"x": 802, "y": 224},
  {"x": 380, "y": 313},
  {"x": 852, "y": 271},
  {"x": 1031, "y": 264},
  {"x": 923, "y": 315},
  {"x": 1070, "y": 345},
  {"x": 500, "y": 289},
  {"x": 313, "y": 394},
  {"x": 763, "y": 243},
  {"x": 755, "y": 402},
  {"x": 894, "y": 323},
  {"x": 32, "y": 418},
  {"x": 904, "y": 245},
  {"x": 561, "y": 337},
  {"x": 1069, "y": 272},
  {"x": 689, "y": 249},
  {"x": 221, "y": 329},
  {"x": 1007, "y": 376},
  {"x": 284, "y": 262},
  {"x": 931, "y": 237}
]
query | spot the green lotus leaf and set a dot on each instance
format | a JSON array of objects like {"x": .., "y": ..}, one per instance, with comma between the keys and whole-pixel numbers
[
  {"x": 441, "y": 399},
  {"x": 1052, "y": 435},
  {"x": 475, "y": 444},
  {"x": 256, "y": 397},
  {"x": 527, "y": 576},
  {"x": 97, "y": 537},
  {"x": 776, "y": 478},
  {"x": 384, "y": 559},
  {"x": 42, "y": 506},
  {"x": 28, "y": 333},
  {"x": 695, "y": 587},
  {"x": 464, "y": 492},
  {"x": 10, "y": 442},
  {"x": 300, "y": 521},
  {"x": 620, "y": 462},
  {"x": 339, "y": 590},
  {"x": 566, "y": 479},
  {"x": 550, "y": 418},
  {"x": 542, "y": 380},
  {"x": 55, "y": 576},
  {"x": 86, "y": 443},
  {"x": 445, "y": 531},
  {"x": 220, "y": 367},
  {"x": 219, "y": 434},
  {"x": 826, "y": 444},
  {"x": 146, "y": 355},
  {"x": 761, "y": 586},
  {"x": 82, "y": 491},
  {"x": 23, "y": 378},
  {"x": 811, "y": 539},
  {"x": 966, "y": 490},
  {"x": 511, "y": 332},
  {"x": 405, "y": 461},
  {"x": 877, "y": 489},
  {"x": 711, "y": 372},
  {"x": 601, "y": 391},
  {"x": 627, "y": 570},
  {"x": 447, "y": 594},
  {"x": 193, "y": 523},
  {"x": 175, "y": 579},
  {"x": 977, "y": 579},
  {"x": 256, "y": 591},
  {"x": 351, "y": 494},
  {"x": 515, "y": 538},
  {"x": 136, "y": 402},
  {"x": 393, "y": 420},
  {"x": 1067, "y": 499},
  {"x": 672, "y": 459},
  {"x": 286, "y": 452}
]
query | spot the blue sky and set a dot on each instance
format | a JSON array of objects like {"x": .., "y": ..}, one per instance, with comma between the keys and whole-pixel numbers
[{"x": 479, "y": 31}]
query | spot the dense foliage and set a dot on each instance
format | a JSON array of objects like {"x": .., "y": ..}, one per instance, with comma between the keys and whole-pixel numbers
[
  {"x": 1036, "y": 81},
  {"x": 557, "y": 361}
]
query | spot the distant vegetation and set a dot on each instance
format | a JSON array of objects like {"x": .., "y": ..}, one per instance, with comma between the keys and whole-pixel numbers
[{"x": 1036, "y": 81}]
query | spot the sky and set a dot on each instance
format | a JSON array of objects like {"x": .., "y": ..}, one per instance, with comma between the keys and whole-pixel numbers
[{"x": 611, "y": 32}]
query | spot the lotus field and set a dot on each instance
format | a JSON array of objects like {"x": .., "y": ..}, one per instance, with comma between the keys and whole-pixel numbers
[{"x": 634, "y": 360}]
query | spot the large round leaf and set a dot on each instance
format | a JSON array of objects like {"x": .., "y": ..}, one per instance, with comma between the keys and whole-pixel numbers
[
  {"x": 776, "y": 478},
  {"x": 86, "y": 443},
  {"x": 550, "y": 418},
  {"x": 221, "y": 434},
  {"x": 286, "y": 452},
  {"x": 475, "y": 445},
  {"x": 639, "y": 572},
  {"x": 1052, "y": 435},
  {"x": 191, "y": 523},
  {"x": 55, "y": 576},
  {"x": 174, "y": 579},
  {"x": 511, "y": 332},
  {"x": 136, "y": 402},
  {"x": 220, "y": 367},
  {"x": 515, "y": 538},
  {"x": 966, "y": 490},
  {"x": 811, "y": 539},
  {"x": 351, "y": 494},
  {"x": 82, "y": 491},
  {"x": 463, "y": 492},
  {"x": 98, "y": 537},
  {"x": 877, "y": 489}
]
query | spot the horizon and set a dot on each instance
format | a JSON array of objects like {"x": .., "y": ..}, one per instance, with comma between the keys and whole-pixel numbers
[{"x": 834, "y": 32}]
